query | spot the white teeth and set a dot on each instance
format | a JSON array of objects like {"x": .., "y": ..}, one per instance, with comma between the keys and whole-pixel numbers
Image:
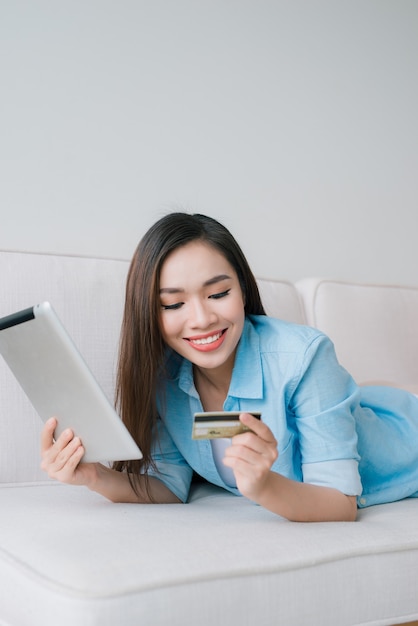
[{"x": 206, "y": 340}]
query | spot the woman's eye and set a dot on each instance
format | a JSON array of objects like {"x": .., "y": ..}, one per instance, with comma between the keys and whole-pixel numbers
[
  {"x": 171, "y": 307},
  {"x": 216, "y": 296}
]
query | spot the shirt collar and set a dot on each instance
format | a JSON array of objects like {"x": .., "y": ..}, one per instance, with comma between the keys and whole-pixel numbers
[{"x": 247, "y": 380}]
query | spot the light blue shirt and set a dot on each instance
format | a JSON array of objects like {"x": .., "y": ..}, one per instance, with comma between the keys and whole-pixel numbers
[{"x": 325, "y": 425}]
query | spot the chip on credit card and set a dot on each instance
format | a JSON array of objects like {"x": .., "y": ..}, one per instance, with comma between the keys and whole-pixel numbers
[{"x": 215, "y": 424}]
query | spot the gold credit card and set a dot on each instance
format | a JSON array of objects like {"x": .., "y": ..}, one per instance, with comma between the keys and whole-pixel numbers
[{"x": 214, "y": 424}]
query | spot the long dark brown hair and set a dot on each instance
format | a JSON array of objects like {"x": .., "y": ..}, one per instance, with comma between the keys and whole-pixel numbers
[{"x": 142, "y": 350}]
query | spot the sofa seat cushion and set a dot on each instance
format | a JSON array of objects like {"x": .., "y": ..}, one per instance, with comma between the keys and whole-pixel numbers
[{"x": 69, "y": 556}]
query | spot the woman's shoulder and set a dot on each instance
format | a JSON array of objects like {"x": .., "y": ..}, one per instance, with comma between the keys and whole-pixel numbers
[
  {"x": 264, "y": 324},
  {"x": 274, "y": 332}
]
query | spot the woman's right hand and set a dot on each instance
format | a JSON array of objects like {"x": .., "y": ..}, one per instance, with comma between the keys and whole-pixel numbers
[{"x": 61, "y": 458}]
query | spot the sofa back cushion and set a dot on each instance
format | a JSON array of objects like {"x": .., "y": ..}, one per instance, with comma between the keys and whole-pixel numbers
[
  {"x": 374, "y": 327},
  {"x": 281, "y": 299},
  {"x": 88, "y": 295}
]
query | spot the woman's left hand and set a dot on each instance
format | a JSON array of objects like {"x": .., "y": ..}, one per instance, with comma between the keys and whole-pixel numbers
[{"x": 251, "y": 456}]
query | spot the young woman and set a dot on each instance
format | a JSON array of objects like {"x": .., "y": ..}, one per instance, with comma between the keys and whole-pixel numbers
[{"x": 195, "y": 337}]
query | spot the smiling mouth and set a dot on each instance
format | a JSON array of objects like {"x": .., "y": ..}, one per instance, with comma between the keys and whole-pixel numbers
[{"x": 207, "y": 340}]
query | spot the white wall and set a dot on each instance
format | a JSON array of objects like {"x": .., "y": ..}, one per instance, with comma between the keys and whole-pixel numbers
[{"x": 294, "y": 122}]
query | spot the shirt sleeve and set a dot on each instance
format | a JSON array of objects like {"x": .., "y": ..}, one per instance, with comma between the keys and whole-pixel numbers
[
  {"x": 324, "y": 403},
  {"x": 342, "y": 475},
  {"x": 170, "y": 466}
]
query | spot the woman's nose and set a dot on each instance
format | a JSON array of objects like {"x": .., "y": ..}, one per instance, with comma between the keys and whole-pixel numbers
[{"x": 202, "y": 315}]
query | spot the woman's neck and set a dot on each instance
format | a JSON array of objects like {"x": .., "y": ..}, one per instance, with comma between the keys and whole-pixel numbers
[{"x": 212, "y": 385}]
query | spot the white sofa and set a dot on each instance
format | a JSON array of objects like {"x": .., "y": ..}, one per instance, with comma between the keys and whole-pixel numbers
[{"x": 68, "y": 556}]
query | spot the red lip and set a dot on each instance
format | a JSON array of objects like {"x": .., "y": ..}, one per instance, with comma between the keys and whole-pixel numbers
[
  {"x": 207, "y": 347},
  {"x": 206, "y": 335}
]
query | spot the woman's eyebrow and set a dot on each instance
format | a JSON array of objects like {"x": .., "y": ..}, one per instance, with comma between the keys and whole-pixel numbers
[
  {"x": 171, "y": 290},
  {"x": 207, "y": 283},
  {"x": 216, "y": 279}
]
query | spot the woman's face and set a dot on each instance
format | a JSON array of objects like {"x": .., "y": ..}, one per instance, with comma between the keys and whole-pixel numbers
[{"x": 202, "y": 306}]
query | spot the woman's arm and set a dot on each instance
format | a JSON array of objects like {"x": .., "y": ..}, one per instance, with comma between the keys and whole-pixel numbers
[
  {"x": 61, "y": 460},
  {"x": 251, "y": 456},
  {"x": 301, "y": 502}
]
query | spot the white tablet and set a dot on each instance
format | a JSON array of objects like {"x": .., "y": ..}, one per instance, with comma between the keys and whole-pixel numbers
[{"x": 58, "y": 382}]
